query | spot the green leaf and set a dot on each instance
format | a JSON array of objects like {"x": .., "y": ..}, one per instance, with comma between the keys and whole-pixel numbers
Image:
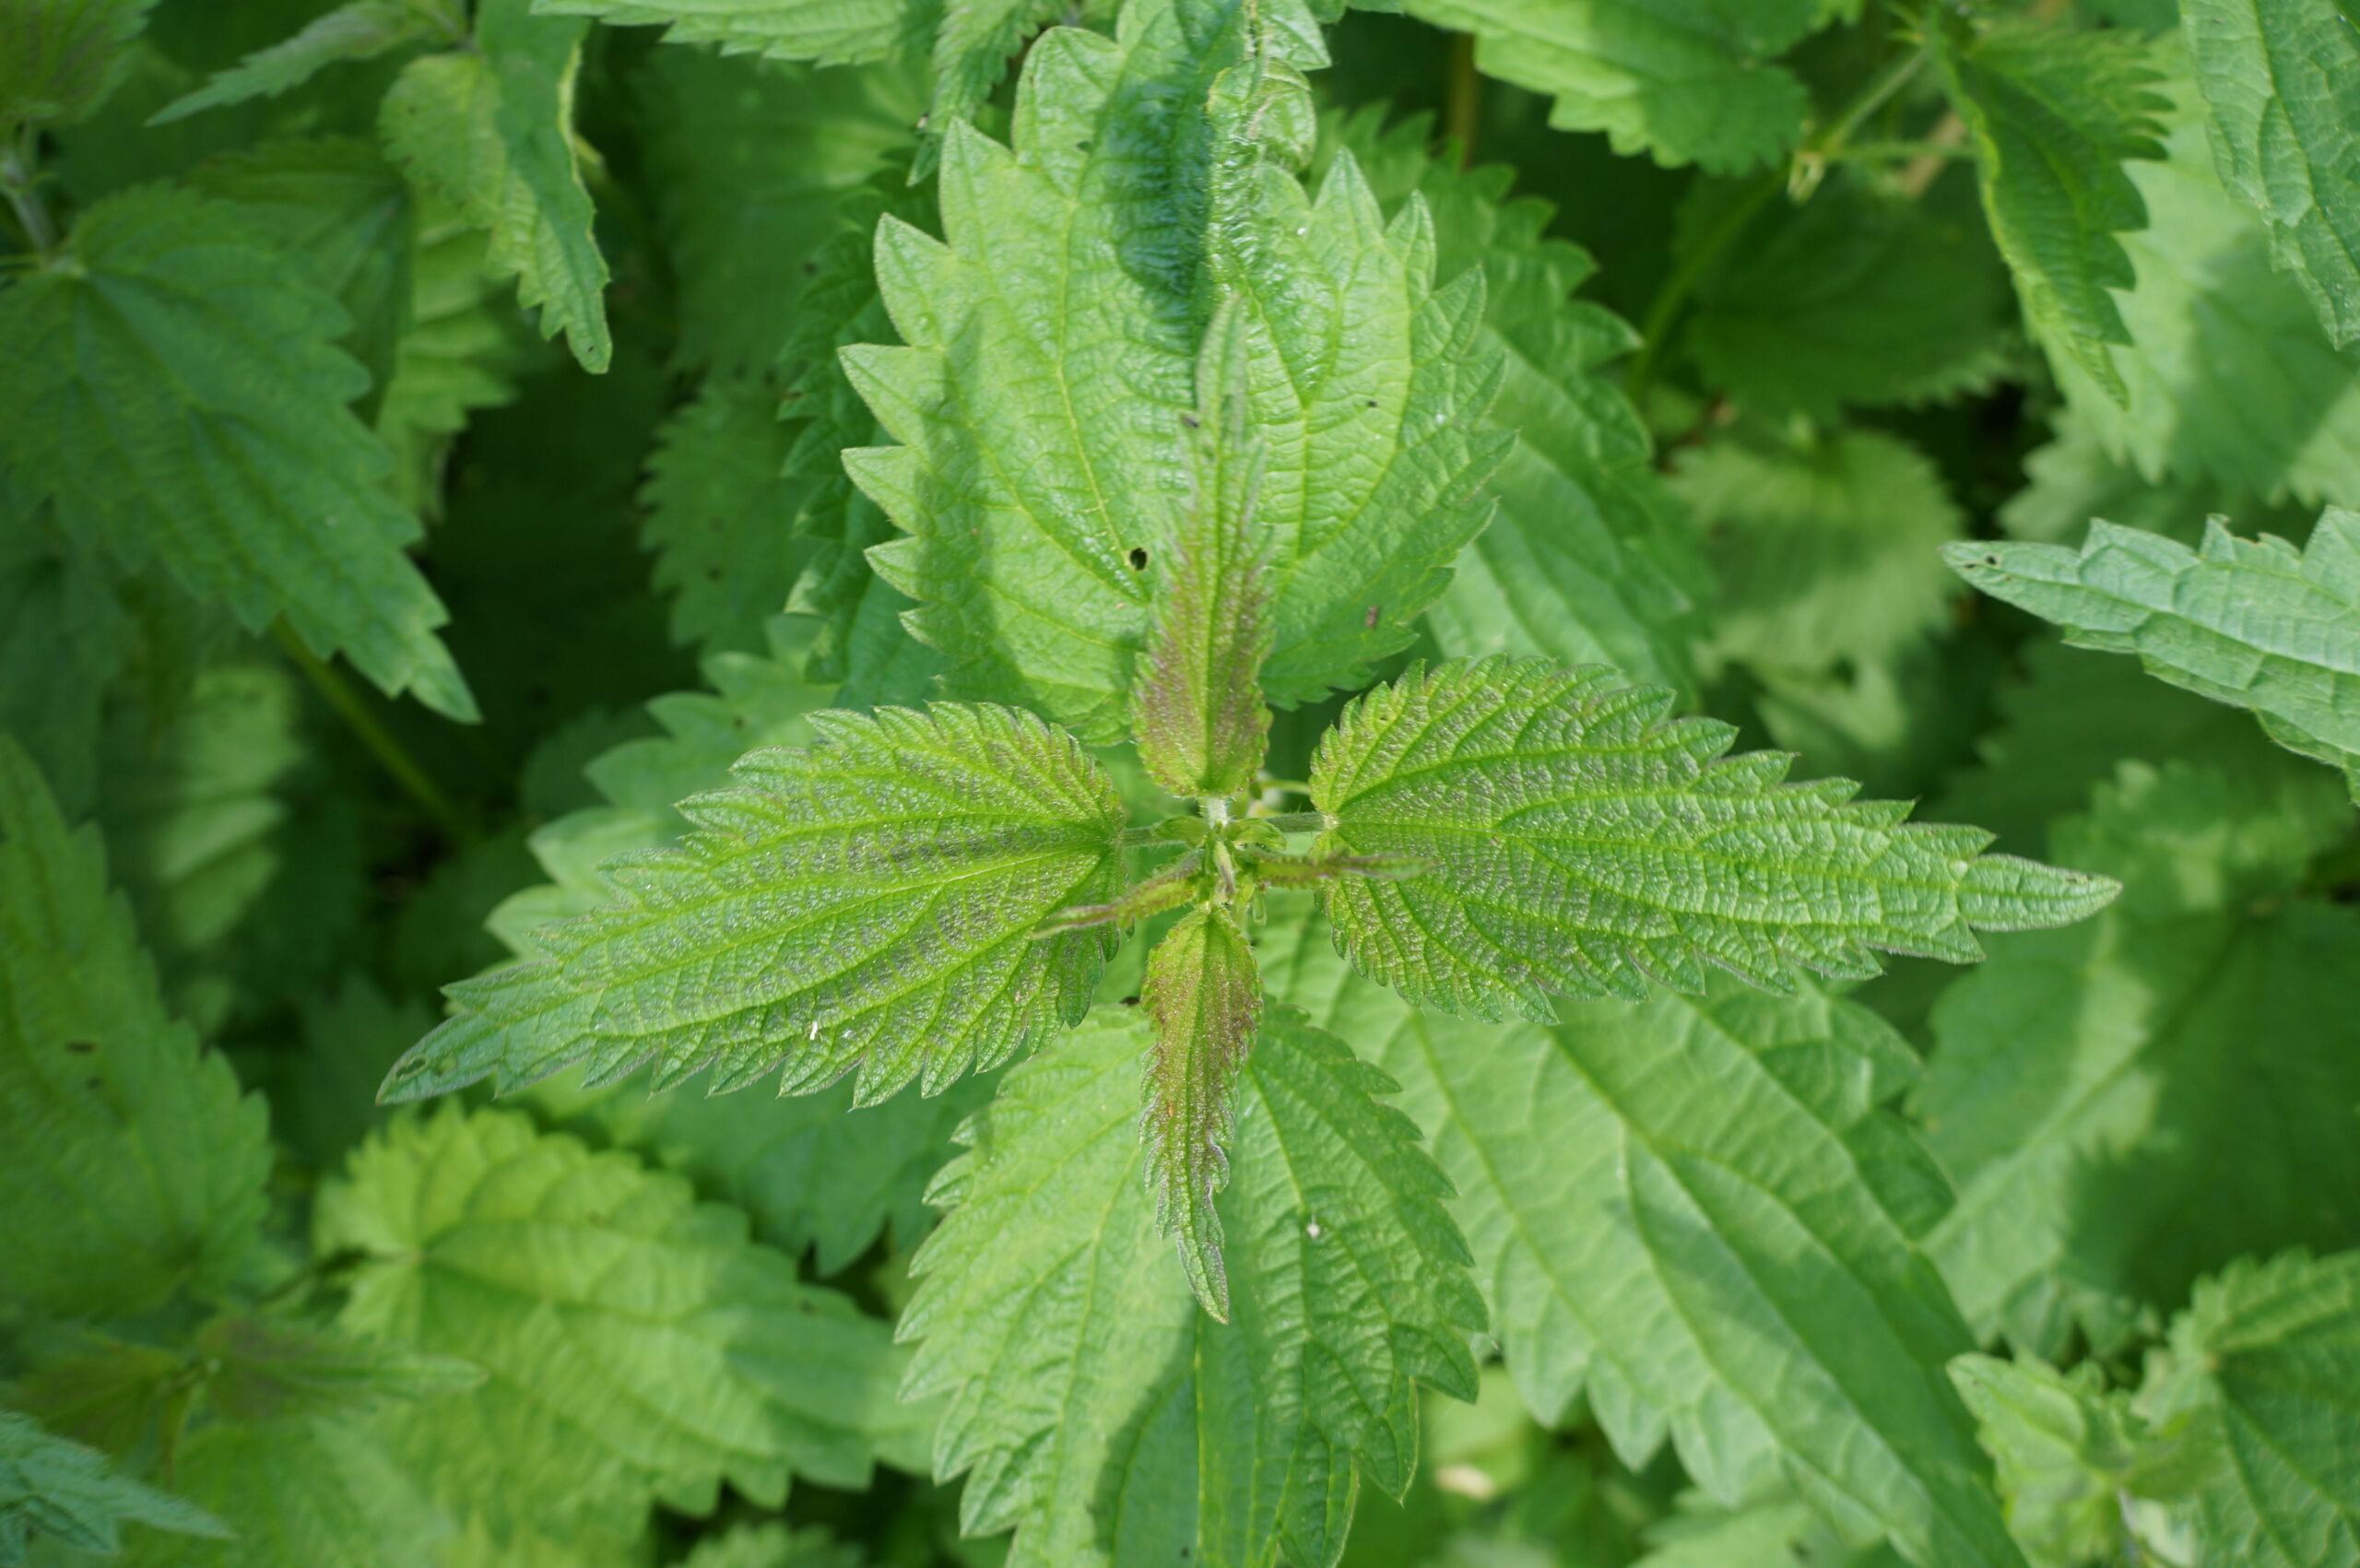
[
  {"x": 1774, "y": 1532},
  {"x": 1587, "y": 561},
  {"x": 1692, "y": 1212},
  {"x": 720, "y": 516},
  {"x": 341, "y": 213},
  {"x": 1858, "y": 297},
  {"x": 1825, "y": 546},
  {"x": 2270, "y": 1351},
  {"x": 867, "y": 904},
  {"x": 181, "y": 400},
  {"x": 971, "y": 42},
  {"x": 135, "y": 1167},
  {"x": 2074, "y": 716},
  {"x": 1197, "y": 713},
  {"x": 636, "y": 1346},
  {"x": 462, "y": 349},
  {"x": 361, "y": 30},
  {"x": 490, "y": 130},
  {"x": 831, "y": 33},
  {"x": 60, "y": 58},
  {"x": 2077, "y": 1465},
  {"x": 301, "y": 1495},
  {"x": 1041, "y": 403},
  {"x": 325, "y": 1101},
  {"x": 262, "y": 1370},
  {"x": 756, "y": 702},
  {"x": 1092, "y": 1406},
  {"x": 772, "y": 1546},
  {"x": 196, "y": 811},
  {"x": 2054, "y": 115},
  {"x": 52, "y": 1490},
  {"x": 1204, "y": 1003},
  {"x": 812, "y": 1171},
  {"x": 2253, "y": 623},
  {"x": 1686, "y": 82},
  {"x": 2281, "y": 81},
  {"x": 862, "y": 641},
  {"x": 2096, "y": 1093},
  {"x": 754, "y": 165},
  {"x": 66, "y": 634},
  {"x": 2230, "y": 376},
  {"x": 2075, "y": 479},
  {"x": 1577, "y": 841}
]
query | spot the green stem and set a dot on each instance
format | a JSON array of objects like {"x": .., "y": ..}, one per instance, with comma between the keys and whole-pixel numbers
[
  {"x": 1897, "y": 152},
  {"x": 1301, "y": 821},
  {"x": 439, "y": 808},
  {"x": 1663, "y": 311},
  {"x": 1655, "y": 327},
  {"x": 1462, "y": 113},
  {"x": 17, "y": 163}
]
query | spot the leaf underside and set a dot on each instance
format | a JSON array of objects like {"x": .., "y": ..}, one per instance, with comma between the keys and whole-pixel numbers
[{"x": 2251, "y": 622}]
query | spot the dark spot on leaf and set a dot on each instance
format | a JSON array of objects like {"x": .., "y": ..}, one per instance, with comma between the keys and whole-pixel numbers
[
  {"x": 713, "y": 573},
  {"x": 1372, "y": 402},
  {"x": 1130, "y": 1001},
  {"x": 93, "y": 1085},
  {"x": 1139, "y": 558},
  {"x": 1190, "y": 420},
  {"x": 81, "y": 1047},
  {"x": 810, "y": 269}
]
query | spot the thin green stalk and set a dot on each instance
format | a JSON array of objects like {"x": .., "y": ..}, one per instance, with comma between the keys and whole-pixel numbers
[
  {"x": 439, "y": 808},
  {"x": 17, "y": 163},
  {"x": 1663, "y": 311},
  {"x": 1462, "y": 113},
  {"x": 1897, "y": 152}
]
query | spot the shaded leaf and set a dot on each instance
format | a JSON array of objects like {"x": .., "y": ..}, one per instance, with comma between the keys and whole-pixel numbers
[
  {"x": 2097, "y": 1094},
  {"x": 2270, "y": 1353},
  {"x": 1687, "y": 82},
  {"x": 55, "y": 1490},
  {"x": 361, "y": 30},
  {"x": 182, "y": 401},
  {"x": 2280, "y": 79},
  {"x": 60, "y": 58},
  {"x": 135, "y": 1167},
  {"x": 2054, "y": 115},
  {"x": 636, "y": 1346},
  {"x": 489, "y": 130}
]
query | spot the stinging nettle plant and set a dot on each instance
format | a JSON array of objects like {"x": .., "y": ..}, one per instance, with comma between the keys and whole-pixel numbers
[
  {"x": 1077, "y": 768},
  {"x": 1258, "y": 516}
]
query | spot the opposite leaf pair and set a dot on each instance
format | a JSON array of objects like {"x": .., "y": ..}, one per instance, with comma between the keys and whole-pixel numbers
[{"x": 875, "y": 903}]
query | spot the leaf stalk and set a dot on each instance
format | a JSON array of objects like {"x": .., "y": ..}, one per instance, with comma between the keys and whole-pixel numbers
[{"x": 414, "y": 780}]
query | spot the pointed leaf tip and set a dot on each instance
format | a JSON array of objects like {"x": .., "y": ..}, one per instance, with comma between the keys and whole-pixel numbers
[{"x": 1203, "y": 999}]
